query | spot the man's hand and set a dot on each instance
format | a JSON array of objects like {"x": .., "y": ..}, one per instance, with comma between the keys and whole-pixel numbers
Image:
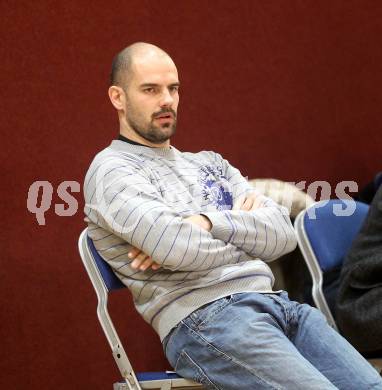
[
  {"x": 200, "y": 220},
  {"x": 248, "y": 203},
  {"x": 141, "y": 260}
]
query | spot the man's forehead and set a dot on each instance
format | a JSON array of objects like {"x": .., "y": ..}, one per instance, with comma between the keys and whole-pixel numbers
[{"x": 155, "y": 71}]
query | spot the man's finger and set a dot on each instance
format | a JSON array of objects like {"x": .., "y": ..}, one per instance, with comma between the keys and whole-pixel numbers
[
  {"x": 155, "y": 266},
  {"x": 239, "y": 202},
  {"x": 146, "y": 264},
  {"x": 247, "y": 205},
  {"x": 139, "y": 260},
  {"x": 133, "y": 253},
  {"x": 258, "y": 202}
]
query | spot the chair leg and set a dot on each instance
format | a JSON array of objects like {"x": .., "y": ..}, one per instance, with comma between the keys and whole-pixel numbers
[{"x": 122, "y": 386}]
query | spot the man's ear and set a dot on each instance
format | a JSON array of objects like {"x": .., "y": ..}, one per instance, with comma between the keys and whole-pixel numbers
[{"x": 117, "y": 97}]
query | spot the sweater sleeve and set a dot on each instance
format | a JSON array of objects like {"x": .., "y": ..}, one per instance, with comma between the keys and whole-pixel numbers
[
  {"x": 124, "y": 201},
  {"x": 266, "y": 232}
]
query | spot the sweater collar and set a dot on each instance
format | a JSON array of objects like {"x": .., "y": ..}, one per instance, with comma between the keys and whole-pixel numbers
[
  {"x": 129, "y": 141},
  {"x": 124, "y": 146}
]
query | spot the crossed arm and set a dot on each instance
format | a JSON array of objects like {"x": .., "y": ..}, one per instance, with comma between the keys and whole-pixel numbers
[
  {"x": 142, "y": 261},
  {"x": 124, "y": 201}
]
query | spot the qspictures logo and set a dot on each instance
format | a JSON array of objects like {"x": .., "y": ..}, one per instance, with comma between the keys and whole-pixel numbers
[{"x": 40, "y": 195}]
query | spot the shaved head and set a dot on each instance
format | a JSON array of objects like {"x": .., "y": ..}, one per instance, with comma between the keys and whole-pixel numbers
[
  {"x": 122, "y": 66},
  {"x": 144, "y": 90}
]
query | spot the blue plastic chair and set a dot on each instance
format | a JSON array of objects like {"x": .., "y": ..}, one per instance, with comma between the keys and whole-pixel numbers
[
  {"x": 104, "y": 280},
  {"x": 325, "y": 232}
]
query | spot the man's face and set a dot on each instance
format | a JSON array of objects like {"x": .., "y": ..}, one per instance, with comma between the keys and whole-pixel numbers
[{"x": 152, "y": 99}]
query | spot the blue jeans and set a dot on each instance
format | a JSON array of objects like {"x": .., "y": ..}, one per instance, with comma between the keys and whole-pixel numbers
[{"x": 265, "y": 341}]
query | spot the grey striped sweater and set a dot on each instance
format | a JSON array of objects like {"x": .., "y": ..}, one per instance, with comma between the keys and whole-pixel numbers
[{"x": 139, "y": 196}]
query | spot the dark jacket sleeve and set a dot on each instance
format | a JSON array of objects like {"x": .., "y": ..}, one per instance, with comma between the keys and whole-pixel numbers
[{"x": 359, "y": 300}]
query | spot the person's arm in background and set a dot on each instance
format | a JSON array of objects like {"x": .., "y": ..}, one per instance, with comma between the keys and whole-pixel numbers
[{"x": 261, "y": 229}]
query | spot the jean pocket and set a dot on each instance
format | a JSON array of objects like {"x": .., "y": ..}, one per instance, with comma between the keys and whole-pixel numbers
[
  {"x": 201, "y": 317},
  {"x": 188, "y": 368}
]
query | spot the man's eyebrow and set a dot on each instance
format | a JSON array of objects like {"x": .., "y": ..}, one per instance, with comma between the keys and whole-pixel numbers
[
  {"x": 148, "y": 85},
  {"x": 145, "y": 85}
]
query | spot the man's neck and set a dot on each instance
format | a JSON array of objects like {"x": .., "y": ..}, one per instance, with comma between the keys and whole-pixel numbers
[
  {"x": 136, "y": 138},
  {"x": 130, "y": 141}
]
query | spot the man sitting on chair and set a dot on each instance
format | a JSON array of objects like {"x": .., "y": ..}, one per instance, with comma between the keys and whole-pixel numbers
[{"x": 190, "y": 238}]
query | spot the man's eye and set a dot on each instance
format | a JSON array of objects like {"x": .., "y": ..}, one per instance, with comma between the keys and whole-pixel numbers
[
  {"x": 175, "y": 88},
  {"x": 149, "y": 90}
]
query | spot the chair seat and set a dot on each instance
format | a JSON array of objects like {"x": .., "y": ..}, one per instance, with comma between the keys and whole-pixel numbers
[
  {"x": 152, "y": 376},
  {"x": 161, "y": 380}
]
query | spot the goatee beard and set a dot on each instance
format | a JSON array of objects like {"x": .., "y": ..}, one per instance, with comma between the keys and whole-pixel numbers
[{"x": 154, "y": 134}]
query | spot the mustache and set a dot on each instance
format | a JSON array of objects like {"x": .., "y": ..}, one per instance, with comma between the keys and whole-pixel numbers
[{"x": 164, "y": 111}]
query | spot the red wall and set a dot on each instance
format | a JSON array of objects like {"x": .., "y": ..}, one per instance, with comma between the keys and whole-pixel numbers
[{"x": 290, "y": 90}]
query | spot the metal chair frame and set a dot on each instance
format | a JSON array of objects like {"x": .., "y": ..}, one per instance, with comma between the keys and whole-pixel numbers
[
  {"x": 131, "y": 381},
  {"x": 313, "y": 267}
]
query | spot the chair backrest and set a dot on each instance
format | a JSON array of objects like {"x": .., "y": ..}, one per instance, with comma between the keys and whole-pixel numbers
[
  {"x": 108, "y": 276},
  {"x": 330, "y": 233},
  {"x": 325, "y": 232},
  {"x": 104, "y": 280}
]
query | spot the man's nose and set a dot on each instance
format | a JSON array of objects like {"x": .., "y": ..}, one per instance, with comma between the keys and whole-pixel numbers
[{"x": 166, "y": 99}]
